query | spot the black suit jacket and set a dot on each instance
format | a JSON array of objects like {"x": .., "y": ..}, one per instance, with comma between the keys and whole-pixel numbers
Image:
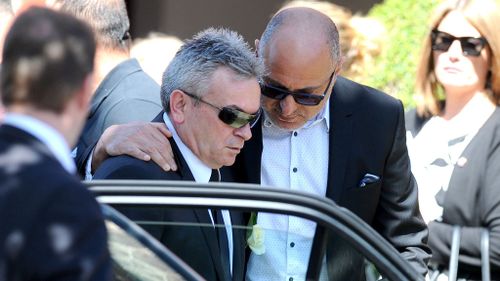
[
  {"x": 367, "y": 135},
  {"x": 51, "y": 227},
  {"x": 472, "y": 201},
  {"x": 196, "y": 245},
  {"x": 127, "y": 94}
]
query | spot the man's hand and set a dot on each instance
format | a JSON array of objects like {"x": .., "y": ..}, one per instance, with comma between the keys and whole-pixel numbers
[{"x": 145, "y": 141}]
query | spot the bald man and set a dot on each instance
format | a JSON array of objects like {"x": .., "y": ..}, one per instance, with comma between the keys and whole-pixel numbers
[
  {"x": 354, "y": 139},
  {"x": 329, "y": 136}
]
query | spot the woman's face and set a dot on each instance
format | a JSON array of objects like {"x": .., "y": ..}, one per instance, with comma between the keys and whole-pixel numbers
[{"x": 456, "y": 71}]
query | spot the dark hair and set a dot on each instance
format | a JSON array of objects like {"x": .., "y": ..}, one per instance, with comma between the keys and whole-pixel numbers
[
  {"x": 108, "y": 19},
  {"x": 46, "y": 57}
]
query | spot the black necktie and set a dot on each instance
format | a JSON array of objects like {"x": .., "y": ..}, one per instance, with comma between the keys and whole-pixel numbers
[{"x": 215, "y": 176}]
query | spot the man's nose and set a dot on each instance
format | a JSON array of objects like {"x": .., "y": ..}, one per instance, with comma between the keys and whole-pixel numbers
[
  {"x": 288, "y": 105},
  {"x": 244, "y": 132}
]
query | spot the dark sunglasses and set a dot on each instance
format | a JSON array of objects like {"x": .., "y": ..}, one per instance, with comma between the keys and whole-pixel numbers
[
  {"x": 278, "y": 93},
  {"x": 471, "y": 46},
  {"x": 231, "y": 116}
]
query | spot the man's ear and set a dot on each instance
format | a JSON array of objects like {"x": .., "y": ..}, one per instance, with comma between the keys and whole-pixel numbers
[
  {"x": 340, "y": 64},
  {"x": 178, "y": 106},
  {"x": 257, "y": 47}
]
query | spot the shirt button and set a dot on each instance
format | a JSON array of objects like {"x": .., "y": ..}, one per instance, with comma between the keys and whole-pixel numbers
[
  {"x": 294, "y": 170},
  {"x": 290, "y": 279},
  {"x": 292, "y": 244},
  {"x": 295, "y": 134}
]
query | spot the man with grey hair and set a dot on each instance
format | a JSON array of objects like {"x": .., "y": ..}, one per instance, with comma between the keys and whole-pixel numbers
[
  {"x": 123, "y": 92},
  {"x": 211, "y": 98}
]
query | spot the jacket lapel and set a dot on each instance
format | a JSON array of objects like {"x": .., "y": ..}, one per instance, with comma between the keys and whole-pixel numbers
[
  {"x": 340, "y": 141},
  {"x": 210, "y": 239}
]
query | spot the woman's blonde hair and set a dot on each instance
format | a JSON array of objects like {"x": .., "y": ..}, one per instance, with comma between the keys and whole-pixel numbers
[{"x": 484, "y": 15}]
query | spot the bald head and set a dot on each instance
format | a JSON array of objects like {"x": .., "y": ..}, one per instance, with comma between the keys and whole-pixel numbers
[{"x": 304, "y": 28}]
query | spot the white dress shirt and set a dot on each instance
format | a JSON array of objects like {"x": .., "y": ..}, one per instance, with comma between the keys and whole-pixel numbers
[
  {"x": 202, "y": 173},
  {"x": 291, "y": 160},
  {"x": 47, "y": 135}
]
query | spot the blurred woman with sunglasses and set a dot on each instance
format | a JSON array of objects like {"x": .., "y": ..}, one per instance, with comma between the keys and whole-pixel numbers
[{"x": 454, "y": 133}]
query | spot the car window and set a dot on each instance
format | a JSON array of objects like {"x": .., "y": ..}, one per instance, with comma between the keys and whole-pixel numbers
[
  {"x": 132, "y": 261},
  {"x": 136, "y": 256}
]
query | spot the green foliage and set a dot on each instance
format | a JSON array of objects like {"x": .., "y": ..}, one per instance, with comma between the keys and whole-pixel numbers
[{"x": 406, "y": 22}]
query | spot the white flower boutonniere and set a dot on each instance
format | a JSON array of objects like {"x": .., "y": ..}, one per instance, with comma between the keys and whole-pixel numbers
[{"x": 255, "y": 236}]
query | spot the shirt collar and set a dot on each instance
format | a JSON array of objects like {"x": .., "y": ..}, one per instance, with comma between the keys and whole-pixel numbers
[
  {"x": 323, "y": 115},
  {"x": 46, "y": 134},
  {"x": 200, "y": 171}
]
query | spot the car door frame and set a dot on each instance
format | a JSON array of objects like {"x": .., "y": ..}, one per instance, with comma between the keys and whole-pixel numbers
[{"x": 249, "y": 197}]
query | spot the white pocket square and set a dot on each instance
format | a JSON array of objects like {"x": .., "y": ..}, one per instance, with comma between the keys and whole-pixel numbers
[{"x": 367, "y": 179}]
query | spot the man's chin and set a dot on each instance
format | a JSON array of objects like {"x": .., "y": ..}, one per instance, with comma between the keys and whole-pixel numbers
[
  {"x": 287, "y": 125},
  {"x": 229, "y": 162},
  {"x": 228, "y": 159}
]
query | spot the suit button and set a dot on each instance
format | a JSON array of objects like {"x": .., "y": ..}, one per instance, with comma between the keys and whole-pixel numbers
[
  {"x": 292, "y": 245},
  {"x": 294, "y": 170}
]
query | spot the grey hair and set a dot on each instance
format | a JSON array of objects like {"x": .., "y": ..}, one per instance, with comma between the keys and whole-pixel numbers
[
  {"x": 192, "y": 67},
  {"x": 108, "y": 19},
  {"x": 283, "y": 16}
]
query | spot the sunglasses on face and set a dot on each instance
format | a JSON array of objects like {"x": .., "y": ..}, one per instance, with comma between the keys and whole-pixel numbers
[
  {"x": 231, "y": 116},
  {"x": 278, "y": 93},
  {"x": 471, "y": 46}
]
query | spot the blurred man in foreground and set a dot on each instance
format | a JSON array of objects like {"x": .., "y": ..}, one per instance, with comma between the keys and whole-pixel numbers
[{"x": 51, "y": 226}]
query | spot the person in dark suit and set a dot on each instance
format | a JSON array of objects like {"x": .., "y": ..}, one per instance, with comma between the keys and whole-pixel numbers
[
  {"x": 328, "y": 136},
  {"x": 51, "y": 226},
  {"x": 123, "y": 92},
  {"x": 210, "y": 94},
  {"x": 354, "y": 137},
  {"x": 454, "y": 139}
]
